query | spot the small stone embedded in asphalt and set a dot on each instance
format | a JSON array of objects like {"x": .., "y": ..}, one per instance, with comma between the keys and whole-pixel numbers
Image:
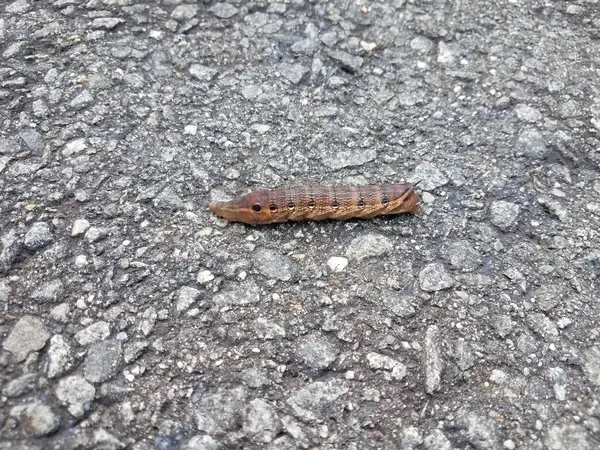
[
  {"x": 204, "y": 276},
  {"x": 349, "y": 158},
  {"x": 169, "y": 200},
  {"x": 294, "y": 73},
  {"x": 555, "y": 208},
  {"x": 106, "y": 23},
  {"x": 244, "y": 293},
  {"x": 549, "y": 296},
  {"x": 569, "y": 436},
  {"x": 378, "y": 361},
  {"x": 223, "y": 10},
  {"x": 527, "y": 113},
  {"x": 35, "y": 419},
  {"x": 95, "y": 332},
  {"x": 75, "y": 392},
  {"x": 186, "y": 298},
  {"x": 398, "y": 303},
  {"x": 411, "y": 438},
  {"x": 504, "y": 214},
  {"x": 317, "y": 351},
  {"x": 543, "y": 326},
  {"x": 337, "y": 263},
  {"x": 82, "y": 100},
  {"x": 352, "y": 63},
  {"x": 28, "y": 335},
  {"x": 446, "y": 53},
  {"x": 74, "y": 147},
  {"x": 220, "y": 411},
  {"x": 503, "y": 325},
  {"x": 318, "y": 400},
  {"x": 202, "y": 442},
  {"x": 103, "y": 361},
  {"x": 202, "y": 73},
  {"x": 433, "y": 277},
  {"x": 261, "y": 423},
  {"x": 59, "y": 356},
  {"x": 464, "y": 356},
  {"x": 368, "y": 246},
  {"x": 20, "y": 385},
  {"x": 80, "y": 226},
  {"x": 591, "y": 364},
  {"x": 532, "y": 144},
  {"x": 558, "y": 378},
  {"x": 437, "y": 440},
  {"x": 273, "y": 265},
  {"x": 95, "y": 234},
  {"x": 461, "y": 255},
  {"x": 49, "y": 292},
  {"x": 433, "y": 360},
  {"x": 38, "y": 236},
  {"x": 429, "y": 176},
  {"x": 184, "y": 12}
]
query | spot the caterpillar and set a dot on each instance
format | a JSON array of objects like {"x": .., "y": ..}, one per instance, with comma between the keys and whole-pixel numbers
[{"x": 317, "y": 202}]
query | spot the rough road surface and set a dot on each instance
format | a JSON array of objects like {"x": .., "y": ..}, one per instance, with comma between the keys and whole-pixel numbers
[{"x": 131, "y": 318}]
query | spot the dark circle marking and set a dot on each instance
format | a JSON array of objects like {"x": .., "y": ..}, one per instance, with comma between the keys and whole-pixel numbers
[
  {"x": 335, "y": 204},
  {"x": 312, "y": 204},
  {"x": 273, "y": 207},
  {"x": 257, "y": 208},
  {"x": 361, "y": 203},
  {"x": 385, "y": 200},
  {"x": 291, "y": 206}
]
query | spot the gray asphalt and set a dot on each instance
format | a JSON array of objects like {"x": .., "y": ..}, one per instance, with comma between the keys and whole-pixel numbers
[{"x": 132, "y": 318}]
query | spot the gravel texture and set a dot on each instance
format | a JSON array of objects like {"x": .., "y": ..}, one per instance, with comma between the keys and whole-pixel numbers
[{"x": 132, "y": 318}]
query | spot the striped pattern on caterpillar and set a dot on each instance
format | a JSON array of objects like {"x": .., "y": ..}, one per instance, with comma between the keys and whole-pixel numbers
[{"x": 317, "y": 202}]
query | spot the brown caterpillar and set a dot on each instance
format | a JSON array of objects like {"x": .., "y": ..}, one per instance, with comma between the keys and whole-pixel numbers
[{"x": 316, "y": 202}]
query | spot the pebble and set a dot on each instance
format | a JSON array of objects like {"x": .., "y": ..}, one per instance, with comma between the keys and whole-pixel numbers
[
  {"x": 378, "y": 361},
  {"x": 591, "y": 364},
  {"x": 18, "y": 7},
  {"x": 349, "y": 158},
  {"x": 97, "y": 331},
  {"x": 223, "y": 10},
  {"x": 421, "y": 44},
  {"x": 503, "y": 325},
  {"x": 461, "y": 255},
  {"x": 398, "y": 303},
  {"x": 204, "y": 276},
  {"x": 244, "y": 293},
  {"x": 527, "y": 113},
  {"x": 555, "y": 208},
  {"x": 35, "y": 419},
  {"x": 106, "y": 23},
  {"x": 294, "y": 73},
  {"x": 76, "y": 393},
  {"x": 28, "y": 335},
  {"x": 433, "y": 277},
  {"x": 437, "y": 440},
  {"x": 261, "y": 423},
  {"x": 337, "y": 263},
  {"x": 317, "y": 400},
  {"x": 102, "y": 361},
  {"x": 558, "y": 377},
  {"x": 94, "y": 234},
  {"x": 429, "y": 176},
  {"x": 202, "y": 73},
  {"x": 74, "y": 147},
  {"x": 543, "y": 326},
  {"x": 316, "y": 351},
  {"x": 184, "y": 12},
  {"x": 60, "y": 313},
  {"x": 504, "y": 214},
  {"x": 202, "y": 442},
  {"x": 169, "y": 200},
  {"x": 352, "y": 63},
  {"x": 221, "y": 410},
  {"x": 273, "y": 265},
  {"x": 186, "y": 298},
  {"x": 369, "y": 246},
  {"x": 549, "y": 296},
  {"x": 49, "y": 292},
  {"x": 464, "y": 356},
  {"x": 59, "y": 358},
  {"x": 498, "y": 376},
  {"x": 447, "y": 53},
  {"x": 82, "y": 100},
  {"x": 509, "y": 444},
  {"x": 20, "y": 385},
  {"x": 80, "y": 226},
  {"x": 433, "y": 360},
  {"x": 568, "y": 436},
  {"x": 38, "y": 236},
  {"x": 81, "y": 261},
  {"x": 532, "y": 144}
]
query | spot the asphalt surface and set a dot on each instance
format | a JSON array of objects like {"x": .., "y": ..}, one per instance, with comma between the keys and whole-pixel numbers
[{"x": 132, "y": 318}]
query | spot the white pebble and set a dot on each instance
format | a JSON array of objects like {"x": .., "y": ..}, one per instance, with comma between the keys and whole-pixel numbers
[
  {"x": 81, "y": 261},
  {"x": 190, "y": 129},
  {"x": 337, "y": 263},
  {"x": 509, "y": 444},
  {"x": 427, "y": 198},
  {"x": 204, "y": 276},
  {"x": 80, "y": 226}
]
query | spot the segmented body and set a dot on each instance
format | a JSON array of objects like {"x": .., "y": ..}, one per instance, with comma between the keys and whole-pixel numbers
[{"x": 317, "y": 202}]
